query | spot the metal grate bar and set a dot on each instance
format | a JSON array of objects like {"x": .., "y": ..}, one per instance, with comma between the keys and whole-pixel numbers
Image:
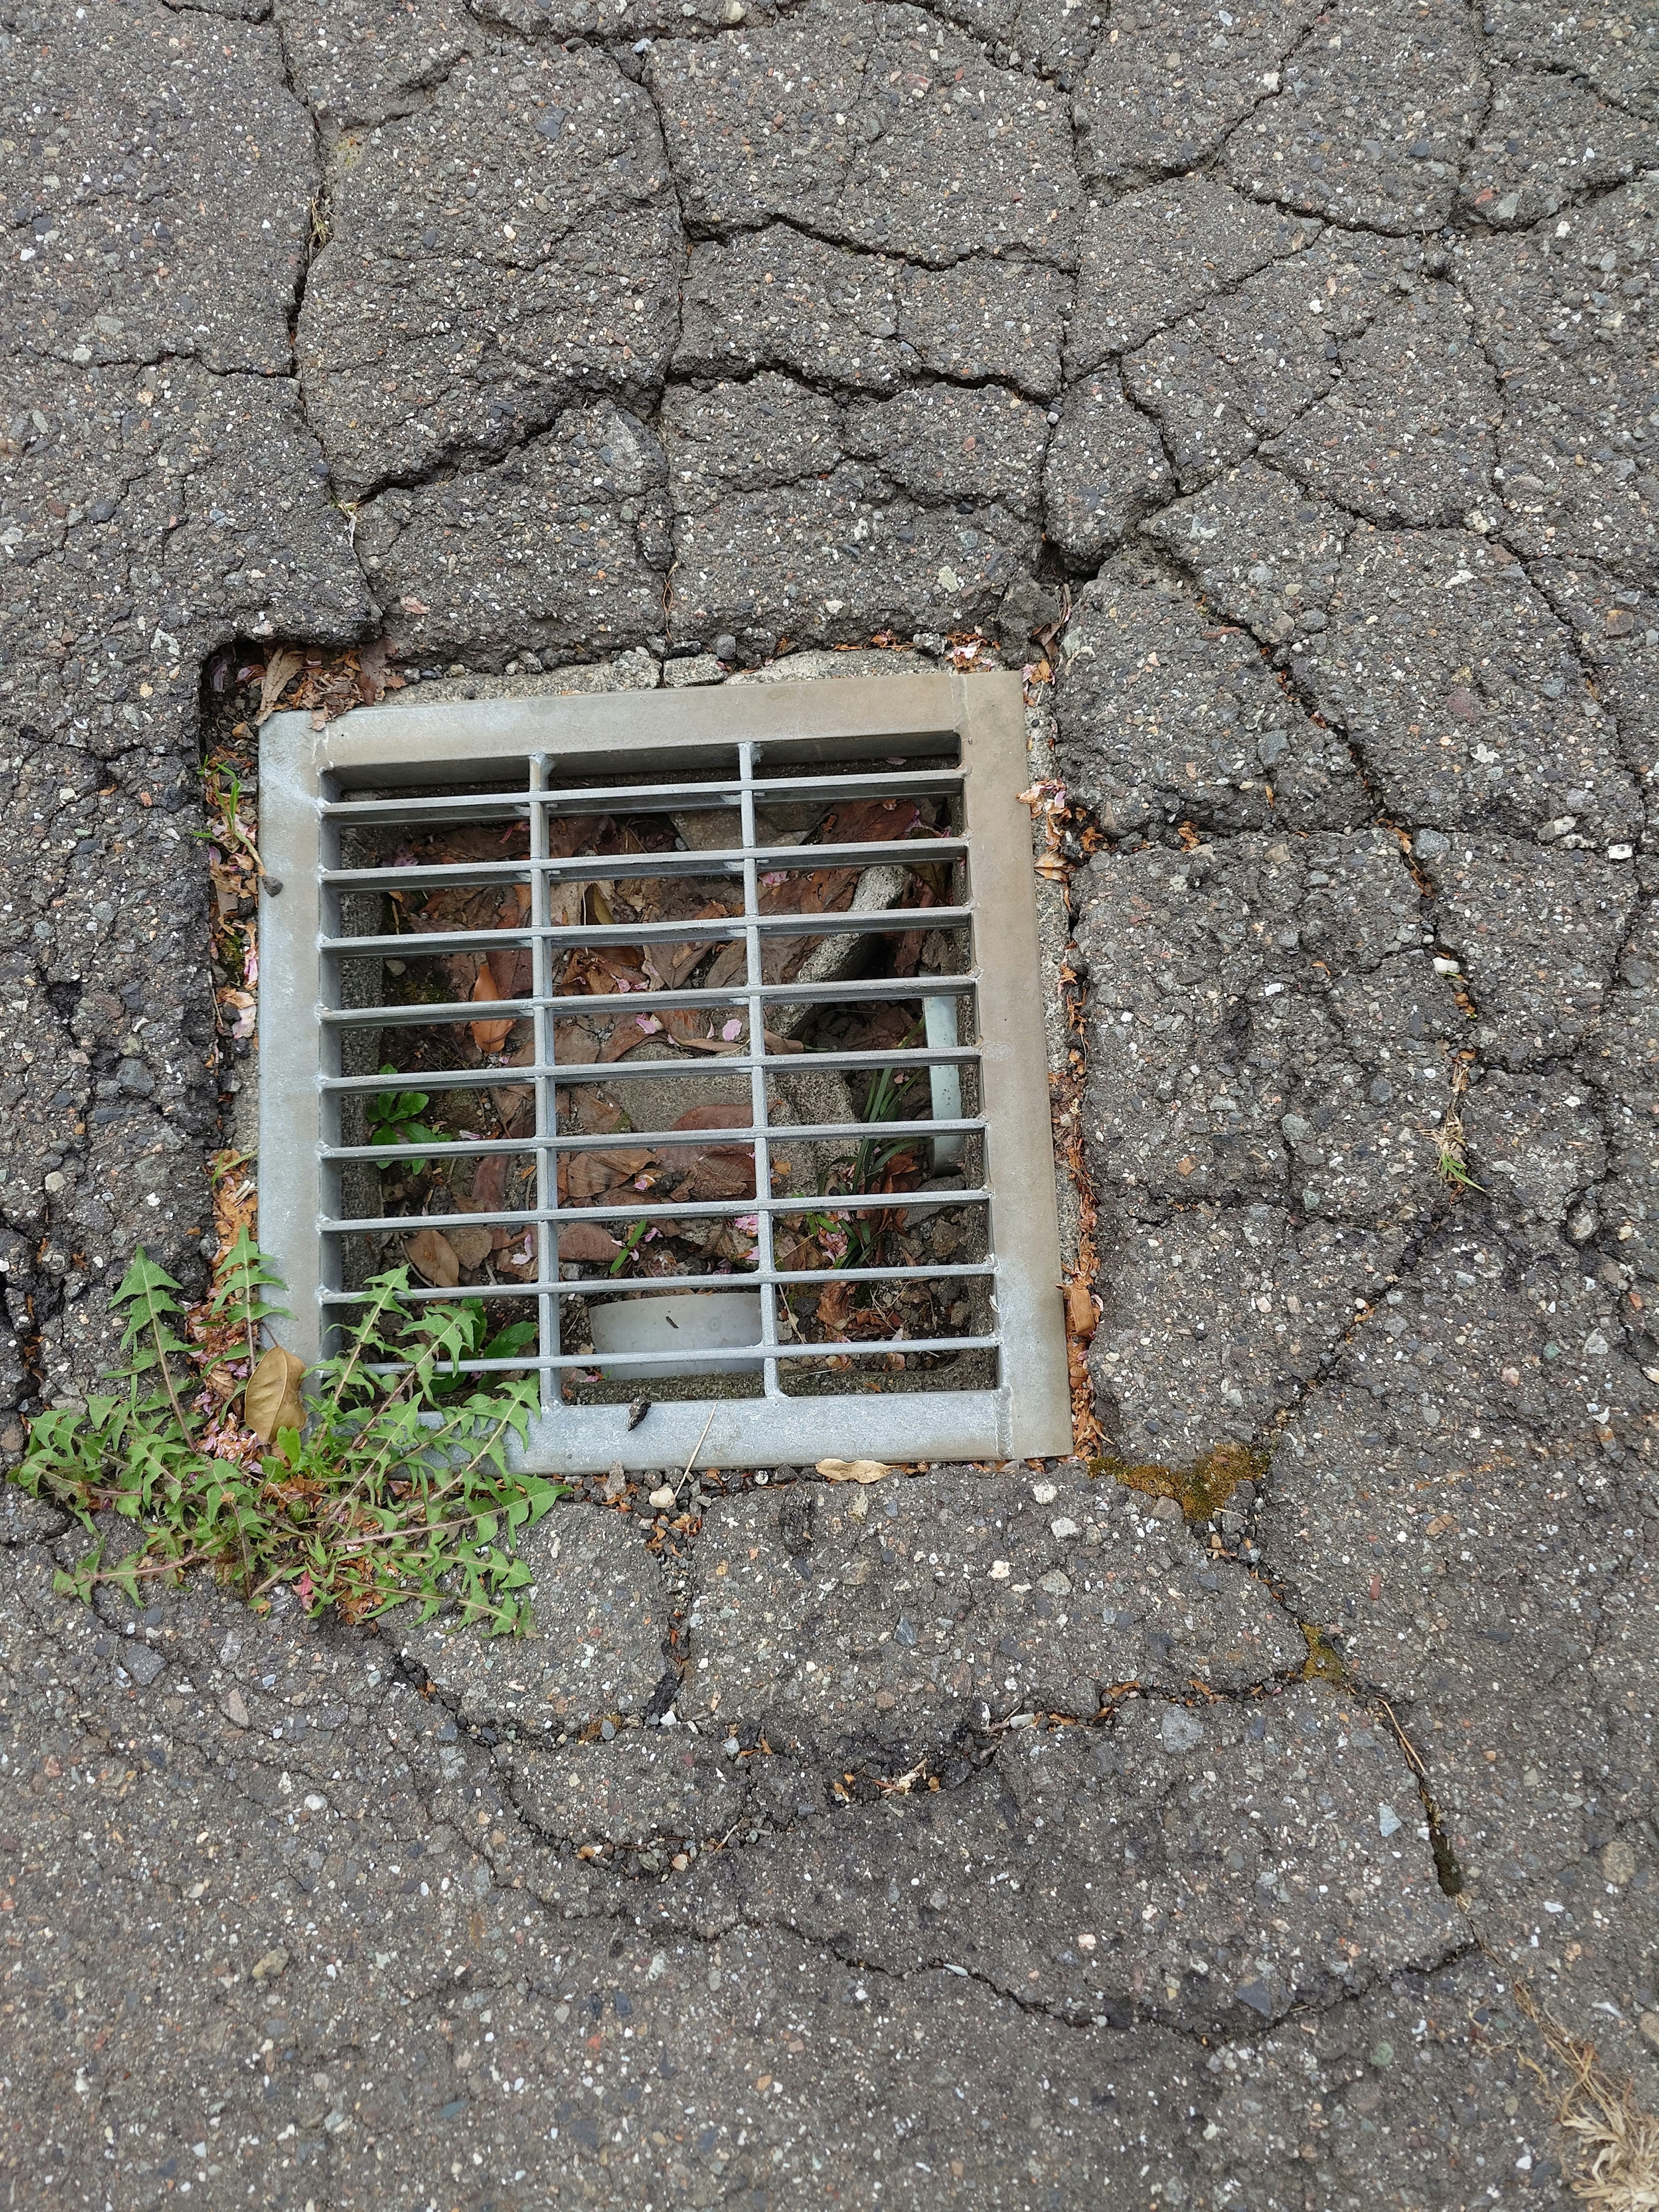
[
  {"x": 466, "y": 1148},
  {"x": 643, "y": 798},
  {"x": 910, "y": 852},
  {"x": 890, "y": 920},
  {"x": 874, "y": 990},
  {"x": 619, "y": 1071},
  {"x": 740, "y": 1356},
  {"x": 701, "y": 1209},
  {"x": 749, "y": 1279},
  {"x": 871, "y": 1347},
  {"x": 549, "y": 1319},
  {"x": 757, "y": 1101}
]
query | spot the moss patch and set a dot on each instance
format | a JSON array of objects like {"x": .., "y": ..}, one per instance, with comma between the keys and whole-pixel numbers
[
  {"x": 1325, "y": 1662},
  {"x": 1200, "y": 1490}
]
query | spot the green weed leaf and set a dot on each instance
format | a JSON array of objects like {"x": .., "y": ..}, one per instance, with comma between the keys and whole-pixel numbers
[{"x": 397, "y": 1492}]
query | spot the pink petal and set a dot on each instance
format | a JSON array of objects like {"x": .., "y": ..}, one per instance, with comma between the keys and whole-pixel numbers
[{"x": 732, "y": 1031}]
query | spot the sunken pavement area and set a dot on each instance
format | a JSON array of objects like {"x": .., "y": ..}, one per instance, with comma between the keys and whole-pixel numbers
[{"x": 1301, "y": 360}]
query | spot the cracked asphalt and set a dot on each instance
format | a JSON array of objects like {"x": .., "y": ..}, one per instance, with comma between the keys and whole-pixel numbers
[{"x": 999, "y": 1837}]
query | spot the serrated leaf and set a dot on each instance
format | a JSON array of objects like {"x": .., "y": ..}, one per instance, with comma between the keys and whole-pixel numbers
[{"x": 145, "y": 1280}]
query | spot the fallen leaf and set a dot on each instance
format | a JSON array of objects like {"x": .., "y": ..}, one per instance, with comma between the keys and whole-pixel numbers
[
  {"x": 835, "y": 1309},
  {"x": 433, "y": 1255},
  {"x": 374, "y": 678},
  {"x": 1080, "y": 1315},
  {"x": 632, "y": 1030},
  {"x": 268, "y": 1968},
  {"x": 489, "y": 1037},
  {"x": 489, "y": 1184},
  {"x": 587, "y": 1113},
  {"x": 721, "y": 1171},
  {"x": 694, "y": 1040},
  {"x": 715, "y": 1117},
  {"x": 458, "y": 907},
  {"x": 520, "y": 1261},
  {"x": 281, "y": 670},
  {"x": 271, "y": 1401},
  {"x": 852, "y": 1470},
  {"x": 471, "y": 1247},
  {"x": 567, "y": 835},
  {"x": 587, "y": 1241},
  {"x": 513, "y": 966},
  {"x": 515, "y": 1102},
  {"x": 589, "y": 1175},
  {"x": 711, "y": 1171},
  {"x": 870, "y": 821},
  {"x": 565, "y": 902}
]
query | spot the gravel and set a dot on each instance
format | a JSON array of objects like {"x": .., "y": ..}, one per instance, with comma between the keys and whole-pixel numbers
[
  {"x": 509, "y": 249},
  {"x": 595, "y": 1651},
  {"x": 560, "y": 547},
  {"x": 1168, "y": 718},
  {"x": 1375, "y": 122},
  {"x": 817, "y": 1624}
]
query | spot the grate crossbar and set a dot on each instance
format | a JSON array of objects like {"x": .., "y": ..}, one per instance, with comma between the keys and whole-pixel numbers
[
  {"x": 643, "y": 798},
  {"x": 581, "y": 867},
  {"x": 874, "y": 991}
]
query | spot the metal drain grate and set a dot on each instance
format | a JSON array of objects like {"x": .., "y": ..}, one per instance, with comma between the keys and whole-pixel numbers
[{"x": 723, "y": 1010}]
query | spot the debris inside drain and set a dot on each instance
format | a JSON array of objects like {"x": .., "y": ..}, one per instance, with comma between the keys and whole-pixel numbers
[{"x": 871, "y": 1243}]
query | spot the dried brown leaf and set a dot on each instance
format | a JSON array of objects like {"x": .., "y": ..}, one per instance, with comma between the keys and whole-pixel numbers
[
  {"x": 870, "y": 821},
  {"x": 271, "y": 1401},
  {"x": 585, "y": 1111},
  {"x": 489, "y": 1037},
  {"x": 471, "y": 1247},
  {"x": 489, "y": 1184},
  {"x": 281, "y": 670},
  {"x": 375, "y": 677},
  {"x": 852, "y": 1470},
  {"x": 433, "y": 1255},
  {"x": 587, "y": 1241},
  {"x": 835, "y": 1308},
  {"x": 722, "y": 1171},
  {"x": 589, "y": 1175}
]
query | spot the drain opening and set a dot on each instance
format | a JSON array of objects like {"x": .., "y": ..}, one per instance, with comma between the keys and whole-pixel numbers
[{"x": 695, "y": 1042}]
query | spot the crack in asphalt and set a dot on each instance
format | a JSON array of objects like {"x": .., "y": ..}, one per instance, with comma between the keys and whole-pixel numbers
[{"x": 1140, "y": 2012}]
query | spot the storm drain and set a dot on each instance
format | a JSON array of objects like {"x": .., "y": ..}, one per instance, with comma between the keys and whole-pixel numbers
[{"x": 694, "y": 1042}]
